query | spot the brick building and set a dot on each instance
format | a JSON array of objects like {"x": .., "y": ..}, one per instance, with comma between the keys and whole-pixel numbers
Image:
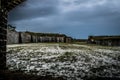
[
  {"x": 105, "y": 40},
  {"x": 14, "y": 37}
]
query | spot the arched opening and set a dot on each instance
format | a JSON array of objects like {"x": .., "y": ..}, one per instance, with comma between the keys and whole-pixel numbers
[{"x": 5, "y": 7}]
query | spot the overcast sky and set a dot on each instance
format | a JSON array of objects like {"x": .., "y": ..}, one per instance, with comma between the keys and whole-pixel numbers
[{"x": 75, "y": 18}]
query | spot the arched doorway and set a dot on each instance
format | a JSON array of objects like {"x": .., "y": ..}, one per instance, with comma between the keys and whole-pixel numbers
[{"x": 5, "y": 7}]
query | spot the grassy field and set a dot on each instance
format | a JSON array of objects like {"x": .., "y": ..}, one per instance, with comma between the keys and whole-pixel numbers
[{"x": 70, "y": 61}]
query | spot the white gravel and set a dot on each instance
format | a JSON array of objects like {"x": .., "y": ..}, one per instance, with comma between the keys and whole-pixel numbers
[{"x": 72, "y": 61}]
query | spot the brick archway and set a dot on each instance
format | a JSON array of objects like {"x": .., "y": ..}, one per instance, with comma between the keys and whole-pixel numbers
[{"x": 5, "y": 7}]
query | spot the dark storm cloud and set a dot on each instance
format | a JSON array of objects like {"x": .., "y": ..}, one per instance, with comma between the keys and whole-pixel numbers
[
  {"x": 32, "y": 9},
  {"x": 77, "y": 18}
]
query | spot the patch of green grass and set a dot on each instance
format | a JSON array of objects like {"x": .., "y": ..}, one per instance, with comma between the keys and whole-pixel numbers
[
  {"x": 67, "y": 56},
  {"x": 13, "y": 50},
  {"x": 80, "y": 43},
  {"x": 70, "y": 47}
]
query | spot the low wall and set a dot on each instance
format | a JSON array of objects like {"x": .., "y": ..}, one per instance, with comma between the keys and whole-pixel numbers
[
  {"x": 24, "y": 37},
  {"x": 12, "y": 37}
]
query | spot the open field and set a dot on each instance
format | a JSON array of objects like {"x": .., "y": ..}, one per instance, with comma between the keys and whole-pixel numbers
[{"x": 70, "y": 61}]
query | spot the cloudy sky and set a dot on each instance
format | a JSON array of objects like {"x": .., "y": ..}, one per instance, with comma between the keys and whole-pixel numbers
[{"x": 75, "y": 18}]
